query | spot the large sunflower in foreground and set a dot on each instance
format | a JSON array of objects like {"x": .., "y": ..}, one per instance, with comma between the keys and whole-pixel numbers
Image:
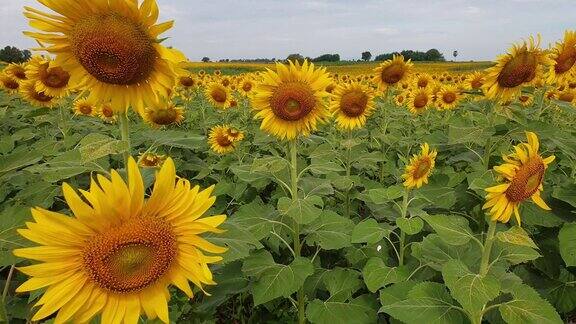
[
  {"x": 418, "y": 171},
  {"x": 351, "y": 104},
  {"x": 521, "y": 66},
  {"x": 390, "y": 72},
  {"x": 290, "y": 100},
  {"x": 119, "y": 253},
  {"x": 563, "y": 57},
  {"x": 523, "y": 174},
  {"x": 110, "y": 47}
]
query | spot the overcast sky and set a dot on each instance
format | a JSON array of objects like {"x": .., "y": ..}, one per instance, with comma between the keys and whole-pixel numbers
[{"x": 478, "y": 29}]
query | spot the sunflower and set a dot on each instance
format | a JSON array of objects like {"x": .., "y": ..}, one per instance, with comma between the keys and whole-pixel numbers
[
  {"x": 566, "y": 95},
  {"x": 151, "y": 160},
  {"x": 400, "y": 99},
  {"x": 418, "y": 171},
  {"x": 234, "y": 134},
  {"x": 474, "y": 81},
  {"x": 220, "y": 141},
  {"x": 186, "y": 81},
  {"x": 16, "y": 71},
  {"x": 163, "y": 114},
  {"x": 85, "y": 107},
  {"x": 448, "y": 97},
  {"x": 422, "y": 81},
  {"x": 218, "y": 95},
  {"x": 523, "y": 174},
  {"x": 419, "y": 100},
  {"x": 50, "y": 78},
  {"x": 106, "y": 113},
  {"x": 37, "y": 98},
  {"x": 119, "y": 253},
  {"x": 351, "y": 104},
  {"x": 246, "y": 87},
  {"x": 522, "y": 66},
  {"x": 110, "y": 47},
  {"x": 526, "y": 100},
  {"x": 563, "y": 57},
  {"x": 290, "y": 101},
  {"x": 9, "y": 83},
  {"x": 393, "y": 71}
]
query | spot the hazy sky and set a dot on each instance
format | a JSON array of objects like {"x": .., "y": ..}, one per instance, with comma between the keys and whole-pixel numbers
[{"x": 478, "y": 29}]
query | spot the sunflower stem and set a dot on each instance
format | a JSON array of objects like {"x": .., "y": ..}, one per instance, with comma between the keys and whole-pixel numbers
[
  {"x": 297, "y": 244},
  {"x": 404, "y": 212},
  {"x": 348, "y": 170},
  {"x": 125, "y": 134},
  {"x": 487, "y": 248}
]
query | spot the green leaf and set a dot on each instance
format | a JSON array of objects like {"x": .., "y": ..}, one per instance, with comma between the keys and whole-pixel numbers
[
  {"x": 438, "y": 196},
  {"x": 533, "y": 215},
  {"x": 303, "y": 211},
  {"x": 277, "y": 280},
  {"x": 377, "y": 275},
  {"x": 269, "y": 164},
  {"x": 11, "y": 219},
  {"x": 324, "y": 167},
  {"x": 369, "y": 231},
  {"x": 471, "y": 290},
  {"x": 341, "y": 283},
  {"x": 238, "y": 240},
  {"x": 175, "y": 138},
  {"x": 360, "y": 310},
  {"x": 384, "y": 195},
  {"x": 396, "y": 292},
  {"x": 330, "y": 231},
  {"x": 528, "y": 307},
  {"x": 452, "y": 229},
  {"x": 516, "y": 235},
  {"x": 567, "y": 238},
  {"x": 514, "y": 254},
  {"x": 410, "y": 226},
  {"x": 94, "y": 146},
  {"x": 316, "y": 186},
  {"x": 566, "y": 193},
  {"x": 434, "y": 251},
  {"x": 427, "y": 302},
  {"x": 18, "y": 160},
  {"x": 256, "y": 218}
]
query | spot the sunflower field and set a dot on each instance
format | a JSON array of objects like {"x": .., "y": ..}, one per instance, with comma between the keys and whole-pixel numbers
[{"x": 138, "y": 187}]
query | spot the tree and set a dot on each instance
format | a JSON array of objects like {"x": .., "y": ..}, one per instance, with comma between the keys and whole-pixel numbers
[
  {"x": 366, "y": 56},
  {"x": 11, "y": 54},
  {"x": 295, "y": 58},
  {"x": 205, "y": 59},
  {"x": 327, "y": 58},
  {"x": 434, "y": 55}
]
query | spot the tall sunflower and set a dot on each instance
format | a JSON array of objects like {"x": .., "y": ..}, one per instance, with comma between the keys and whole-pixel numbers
[
  {"x": 290, "y": 101},
  {"x": 522, "y": 66},
  {"x": 110, "y": 47},
  {"x": 474, "y": 81},
  {"x": 420, "y": 167},
  {"x": 351, "y": 104},
  {"x": 563, "y": 57},
  {"x": 523, "y": 174},
  {"x": 393, "y": 71},
  {"x": 119, "y": 252},
  {"x": 48, "y": 77}
]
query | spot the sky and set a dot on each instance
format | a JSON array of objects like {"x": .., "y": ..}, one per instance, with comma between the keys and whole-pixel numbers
[{"x": 478, "y": 29}]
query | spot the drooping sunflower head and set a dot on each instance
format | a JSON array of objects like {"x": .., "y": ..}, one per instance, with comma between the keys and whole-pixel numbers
[
  {"x": 110, "y": 48},
  {"x": 474, "y": 81},
  {"x": 352, "y": 104},
  {"x": 119, "y": 252},
  {"x": 522, "y": 66},
  {"x": 291, "y": 100},
  {"x": 419, "y": 100},
  {"x": 151, "y": 160},
  {"x": 50, "y": 78},
  {"x": 220, "y": 140},
  {"x": 85, "y": 107},
  {"x": 16, "y": 71},
  {"x": 163, "y": 114},
  {"x": 563, "y": 57},
  {"x": 390, "y": 72},
  {"x": 523, "y": 174},
  {"x": 417, "y": 172},
  {"x": 448, "y": 97},
  {"x": 37, "y": 98},
  {"x": 9, "y": 83},
  {"x": 218, "y": 95}
]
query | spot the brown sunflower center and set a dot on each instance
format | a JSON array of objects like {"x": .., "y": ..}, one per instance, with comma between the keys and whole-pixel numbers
[
  {"x": 150, "y": 160},
  {"x": 113, "y": 49},
  {"x": 476, "y": 83},
  {"x": 353, "y": 103},
  {"x": 56, "y": 77},
  {"x": 187, "y": 81},
  {"x": 85, "y": 109},
  {"x": 107, "y": 111},
  {"x": 223, "y": 140},
  {"x": 19, "y": 73},
  {"x": 247, "y": 86},
  {"x": 11, "y": 84},
  {"x": 420, "y": 101},
  {"x": 132, "y": 256},
  {"x": 449, "y": 97},
  {"x": 566, "y": 96},
  {"x": 565, "y": 60},
  {"x": 292, "y": 101},
  {"x": 393, "y": 73},
  {"x": 520, "y": 69},
  {"x": 523, "y": 98},
  {"x": 422, "y": 83},
  {"x": 422, "y": 168},
  {"x": 526, "y": 181},
  {"x": 41, "y": 96},
  {"x": 163, "y": 116},
  {"x": 400, "y": 98},
  {"x": 219, "y": 95}
]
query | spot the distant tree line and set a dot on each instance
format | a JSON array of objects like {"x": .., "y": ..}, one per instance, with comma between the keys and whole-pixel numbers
[
  {"x": 430, "y": 55},
  {"x": 11, "y": 54}
]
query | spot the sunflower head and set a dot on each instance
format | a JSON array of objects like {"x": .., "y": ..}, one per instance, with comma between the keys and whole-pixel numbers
[
  {"x": 16, "y": 71},
  {"x": 563, "y": 57},
  {"x": 9, "y": 83},
  {"x": 448, "y": 97},
  {"x": 420, "y": 167},
  {"x": 220, "y": 140},
  {"x": 218, "y": 95},
  {"x": 37, "y": 98},
  {"x": 85, "y": 107},
  {"x": 526, "y": 100},
  {"x": 419, "y": 100},
  {"x": 393, "y": 71},
  {"x": 106, "y": 113},
  {"x": 186, "y": 81},
  {"x": 49, "y": 77},
  {"x": 151, "y": 160},
  {"x": 290, "y": 101},
  {"x": 474, "y": 81},
  {"x": 523, "y": 174},
  {"x": 234, "y": 134},
  {"x": 351, "y": 104},
  {"x": 163, "y": 114}
]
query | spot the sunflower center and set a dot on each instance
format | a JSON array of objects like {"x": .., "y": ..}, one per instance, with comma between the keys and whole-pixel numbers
[
  {"x": 11, "y": 84},
  {"x": 164, "y": 116},
  {"x": 107, "y": 111},
  {"x": 56, "y": 77},
  {"x": 526, "y": 181},
  {"x": 523, "y": 98},
  {"x": 41, "y": 96},
  {"x": 565, "y": 60},
  {"x": 420, "y": 101},
  {"x": 566, "y": 96},
  {"x": 393, "y": 73},
  {"x": 422, "y": 83},
  {"x": 186, "y": 81},
  {"x": 113, "y": 49},
  {"x": 19, "y": 73},
  {"x": 520, "y": 69},
  {"x": 223, "y": 140},
  {"x": 132, "y": 256},
  {"x": 247, "y": 86},
  {"x": 449, "y": 97},
  {"x": 422, "y": 168},
  {"x": 476, "y": 83},
  {"x": 219, "y": 95},
  {"x": 85, "y": 109},
  {"x": 292, "y": 101},
  {"x": 353, "y": 103}
]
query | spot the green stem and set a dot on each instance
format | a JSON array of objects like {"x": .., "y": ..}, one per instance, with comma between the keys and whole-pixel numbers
[
  {"x": 297, "y": 244},
  {"x": 487, "y": 248},
  {"x": 404, "y": 211},
  {"x": 348, "y": 170},
  {"x": 3, "y": 313},
  {"x": 487, "y": 152},
  {"x": 125, "y": 134}
]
